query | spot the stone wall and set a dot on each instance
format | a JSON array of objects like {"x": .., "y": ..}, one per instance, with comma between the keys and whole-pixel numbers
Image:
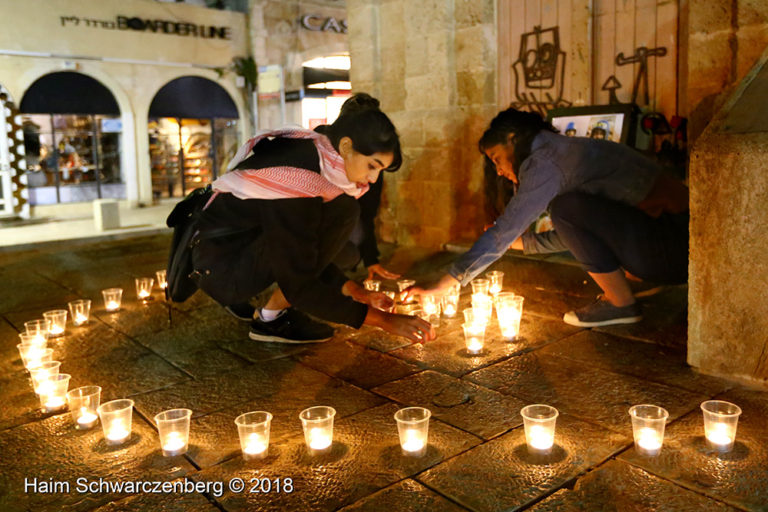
[
  {"x": 433, "y": 66},
  {"x": 724, "y": 39},
  {"x": 728, "y": 314},
  {"x": 278, "y": 38}
]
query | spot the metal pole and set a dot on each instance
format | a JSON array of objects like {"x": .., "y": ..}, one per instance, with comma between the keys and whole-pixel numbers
[
  {"x": 96, "y": 159},
  {"x": 181, "y": 162},
  {"x": 214, "y": 160},
  {"x": 55, "y": 160}
]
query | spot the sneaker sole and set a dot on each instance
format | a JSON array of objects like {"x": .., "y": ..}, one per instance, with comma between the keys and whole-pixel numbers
[
  {"x": 571, "y": 319},
  {"x": 235, "y": 315},
  {"x": 278, "y": 339}
]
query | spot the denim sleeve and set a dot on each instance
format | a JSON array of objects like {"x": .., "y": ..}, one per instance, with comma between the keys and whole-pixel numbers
[
  {"x": 542, "y": 243},
  {"x": 540, "y": 182}
]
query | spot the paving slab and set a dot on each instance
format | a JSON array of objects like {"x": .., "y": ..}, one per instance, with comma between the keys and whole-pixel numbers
[
  {"x": 502, "y": 475},
  {"x": 448, "y": 353},
  {"x": 484, "y": 412},
  {"x": 274, "y": 380},
  {"x": 355, "y": 364},
  {"x": 365, "y": 457},
  {"x": 737, "y": 478},
  {"x": 645, "y": 360},
  {"x": 621, "y": 487},
  {"x": 53, "y": 451},
  {"x": 376, "y": 339},
  {"x": 32, "y": 291},
  {"x": 166, "y": 502},
  {"x": 525, "y": 272},
  {"x": 406, "y": 496},
  {"x": 135, "y": 317},
  {"x": 579, "y": 388}
]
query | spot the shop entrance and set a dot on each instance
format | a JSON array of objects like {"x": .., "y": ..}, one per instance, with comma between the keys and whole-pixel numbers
[
  {"x": 326, "y": 87},
  {"x": 72, "y": 129},
  {"x": 193, "y": 132}
]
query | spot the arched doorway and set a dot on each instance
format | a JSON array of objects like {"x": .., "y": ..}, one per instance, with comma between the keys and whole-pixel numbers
[
  {"x": 72, "y": 129},
  {"x": 193, "y": 126}
]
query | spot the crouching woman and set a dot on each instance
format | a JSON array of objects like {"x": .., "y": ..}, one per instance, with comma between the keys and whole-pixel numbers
[{"x": 290, "y": 197}]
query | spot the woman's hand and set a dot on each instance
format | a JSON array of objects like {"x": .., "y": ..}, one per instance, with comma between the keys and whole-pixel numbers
[
  {"x": 378, "y": 300},
  {"x": 410, "y": 327},
  {"x": 377, "y": 269},
  {"x": 443, "y": 286}
]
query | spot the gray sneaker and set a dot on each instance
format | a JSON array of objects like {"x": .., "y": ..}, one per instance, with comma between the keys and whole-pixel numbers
[{"x": 601, "y": 312}]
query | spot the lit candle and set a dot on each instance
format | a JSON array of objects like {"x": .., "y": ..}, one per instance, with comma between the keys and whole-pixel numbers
[
  {"x": 495, "y": 288},
  {"x": 54, "y": 403},
  {"x": 255, "y": 444},
  {"x": 540, "y": 437},
  {"x": 86, "y": 419},
  {"x": 143, "y": 294},
  {"x": 319, "y": 439},
  {"x": 113, "y": 305},
  {"x": 430, "y": 308},
  {"x": 174, "y": 442},
  {"x": 474, "y": 345},
  {"x": 648, "y": 439},
  {"x": 80, "y": 319},
  {"x": 117, "y": 432},
  {"x": 413, "y": 442},
  {"x": 718, "y": 434},
  {"x": 450, "y": 310}
]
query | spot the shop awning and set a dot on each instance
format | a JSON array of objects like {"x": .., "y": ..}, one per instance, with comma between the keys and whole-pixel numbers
[
  {"x": 193, "y": 97},
  {"x": 67, "y": 92},
  {"x": 322, "y": 75}
]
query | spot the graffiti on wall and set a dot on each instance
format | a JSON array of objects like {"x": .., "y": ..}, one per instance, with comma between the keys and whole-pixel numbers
[
  {"x": 540, "y": 71},
  {"x": 641, "y": 58}
]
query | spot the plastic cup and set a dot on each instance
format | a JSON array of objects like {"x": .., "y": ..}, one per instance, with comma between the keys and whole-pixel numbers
[
  {"x": 161, "y": 279},
  {"x": 450, "y": 304},
  {"x": 413, "y": 430},
  {"x": 116, "y": 417},
  {"x": 474, "y": 337},
  {"x": 57, "y": 321},
  {"x": 42, "y": 373},
  {"x": 482, "y": 306},
  {"x": 173, "y": 427},
  {"x": 318, "y": 428},
  {"x": 253, "y": 429},
  {"x": 34, "y": 355},
  {"x": 113, "y": 297},
  {"x": 509, "y": 311},
  {"x": 496, "y": 279},
  {"x": 144, "y": 288},
  {"x": 84, "y": 406},
  {"x": 648, "y": 422},
  {"x": 37, "y": 328},
  {"x": 53, "y": 393},
  {"x": 539, "y": 422},
  {"x": 720, "y": 422},
  {"x": 480, "y": 285},
  {"x": 80, "y": 310},
  {"x": 372, "y": 285},
  {"x": 33, "y": 339}
]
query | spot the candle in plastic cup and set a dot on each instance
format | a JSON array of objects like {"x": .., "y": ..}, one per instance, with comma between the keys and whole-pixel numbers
[
  {"x": 57, "y": 321},
  {"x": 496, "y": 279},
  {"x": 53, "y": 393},
  {"x": 481, "y": 286},
  {"x": 116, "y": 417},
  {"x": 33, "y": 339},
  {"x": 483, "y": 307},
  {"x": 84, "y": 406},
  {"x": 144, "y": 287},
  {"x": 404, "y": 284},
  {"x": 539, "y": 422},
  {"x": 450, "y": 303},
  {"x": 391, "y": 295},
  {"x": 720, "y": 422},
  {"x": 173, "y": 428},
  {"x": 433, "y": 319},
  {"x": 80, "y": 310},
  {"x": 113, "y": 297},
  {"x": 648, "y": 422},
  {"x": 42, "y": 373},
  {"x": 253, "y": 429},
  {"x": 372, "y": 285},
  {"x": 474, "y": 337},
  {"x": 38, "y": 329},
  {"x": 413, "y": 430},
  {"x": 34, "y": 355},
  {"x": 509, "y": 311},
  {"x": 430, "y": 304},
  {"x": 318, "y": 427},
  {"x": 161, "y": 279}
]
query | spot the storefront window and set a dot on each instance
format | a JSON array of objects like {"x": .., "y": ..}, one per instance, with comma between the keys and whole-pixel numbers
[
  {"x": 72, "y": 158},
  {"x": 189, "y": 153}
]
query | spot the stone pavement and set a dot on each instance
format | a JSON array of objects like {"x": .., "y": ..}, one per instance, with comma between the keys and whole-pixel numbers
[{"x": 194, "y": 355}]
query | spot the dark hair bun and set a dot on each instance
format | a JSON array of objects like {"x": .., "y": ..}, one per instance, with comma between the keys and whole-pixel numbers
[{"x": 359, "y": 101}]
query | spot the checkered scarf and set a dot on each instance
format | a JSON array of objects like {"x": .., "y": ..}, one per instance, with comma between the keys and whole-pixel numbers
[{"x": 288, "y": 182}]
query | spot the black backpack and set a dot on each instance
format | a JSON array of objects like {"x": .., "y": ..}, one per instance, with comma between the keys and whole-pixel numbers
[{"x": 181, "y": 276}]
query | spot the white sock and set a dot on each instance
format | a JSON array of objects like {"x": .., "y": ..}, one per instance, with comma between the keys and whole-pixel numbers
[{"x": 268, "y": 315}]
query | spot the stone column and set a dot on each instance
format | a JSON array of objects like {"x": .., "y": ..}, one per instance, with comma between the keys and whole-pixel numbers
[{"x": 433, "y": 66}]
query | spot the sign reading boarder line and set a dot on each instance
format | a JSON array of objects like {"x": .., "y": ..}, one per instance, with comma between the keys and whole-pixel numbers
[{"x": 157, "y": 26}]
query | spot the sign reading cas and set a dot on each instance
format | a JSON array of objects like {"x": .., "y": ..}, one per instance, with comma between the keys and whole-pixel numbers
[{"x": 318, "y": 23}]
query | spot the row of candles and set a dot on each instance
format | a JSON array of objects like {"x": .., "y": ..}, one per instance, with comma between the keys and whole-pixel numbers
[{"x": 648, "y": 421}]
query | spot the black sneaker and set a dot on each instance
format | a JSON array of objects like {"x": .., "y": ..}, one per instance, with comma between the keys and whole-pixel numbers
[
  {"x": 292, "y": 326},
  {"x": 601, "y": 312},
  {"x": 242, "y": 312}
]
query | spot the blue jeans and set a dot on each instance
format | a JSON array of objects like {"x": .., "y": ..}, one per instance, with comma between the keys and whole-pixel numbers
[{"x": 605, "y": 235}]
